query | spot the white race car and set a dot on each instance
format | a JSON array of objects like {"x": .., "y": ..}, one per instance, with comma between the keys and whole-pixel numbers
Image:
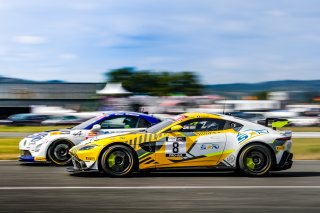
[{"x": 53, "y": 146}]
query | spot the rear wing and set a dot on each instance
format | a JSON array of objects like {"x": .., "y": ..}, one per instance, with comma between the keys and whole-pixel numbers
[{"x": 276, "y": 122}]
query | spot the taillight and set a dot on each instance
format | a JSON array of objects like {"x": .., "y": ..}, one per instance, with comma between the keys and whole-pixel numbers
[{"x": 284, "y": 139}]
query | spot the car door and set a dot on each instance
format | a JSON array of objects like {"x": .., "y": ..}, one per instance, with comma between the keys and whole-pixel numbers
[{"x": 200, "y": 142}]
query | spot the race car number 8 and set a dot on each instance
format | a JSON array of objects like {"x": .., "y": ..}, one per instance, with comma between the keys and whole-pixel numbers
[{"x": 175, "y": 146}]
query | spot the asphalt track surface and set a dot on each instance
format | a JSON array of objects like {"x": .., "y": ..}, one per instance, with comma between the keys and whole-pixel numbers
[{"x": 42, "y": 188}]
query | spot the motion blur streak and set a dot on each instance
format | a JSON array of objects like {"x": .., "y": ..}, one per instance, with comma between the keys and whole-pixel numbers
[{"x": 161, "y": 187}]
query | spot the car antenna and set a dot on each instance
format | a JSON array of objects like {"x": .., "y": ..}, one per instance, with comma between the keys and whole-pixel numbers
[{"x": 224, "y": 105}]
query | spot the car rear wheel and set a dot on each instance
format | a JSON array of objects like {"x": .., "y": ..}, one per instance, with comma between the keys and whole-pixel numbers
[
  {"x": 255, "y": 160},
  {"x": 117, "y": 161},
  {"x": 58, "y": 153}
]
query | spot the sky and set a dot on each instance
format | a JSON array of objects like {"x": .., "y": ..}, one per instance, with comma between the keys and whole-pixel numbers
[{"x": 221, "y": 41}]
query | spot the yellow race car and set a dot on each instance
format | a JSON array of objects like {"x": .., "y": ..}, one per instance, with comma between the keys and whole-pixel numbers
[{"x": 190, "y": 140}]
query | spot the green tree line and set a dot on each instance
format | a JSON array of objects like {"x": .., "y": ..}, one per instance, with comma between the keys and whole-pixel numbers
[{"x": 156, "y": 83}]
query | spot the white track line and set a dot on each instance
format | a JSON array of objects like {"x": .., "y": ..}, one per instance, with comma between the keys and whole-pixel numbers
[{"x": 157, "y": 187}]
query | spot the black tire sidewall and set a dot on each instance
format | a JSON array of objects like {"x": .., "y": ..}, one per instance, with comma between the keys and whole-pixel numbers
[
  {"x": 51, "y": 153},
  {"x": 105, "y": 169},
  {"x": 262, "y": 148}
]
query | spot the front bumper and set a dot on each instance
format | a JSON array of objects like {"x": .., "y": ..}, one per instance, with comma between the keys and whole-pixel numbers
[
  {"x": 285, "y": 162},
  {"x": 80, "y": 166},
  {"x": 26, "y": 156}
]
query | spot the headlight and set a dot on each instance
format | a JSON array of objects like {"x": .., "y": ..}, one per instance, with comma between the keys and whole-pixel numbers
[
  {"x": 37, "y": 149},
  {"x": 38, "y": 145},
  {"x": 87, "y": 147}
]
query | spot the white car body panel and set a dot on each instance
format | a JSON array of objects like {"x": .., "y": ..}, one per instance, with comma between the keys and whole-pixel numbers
[{"x": 38, "y": 149}]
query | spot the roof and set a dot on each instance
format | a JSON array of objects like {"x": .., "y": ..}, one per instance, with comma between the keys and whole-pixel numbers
[
  {"x": 201, "y": 115},
  {"x": 113, "y": 89}
]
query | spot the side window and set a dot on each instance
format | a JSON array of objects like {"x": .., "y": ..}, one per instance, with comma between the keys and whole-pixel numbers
[
  {"x": 120, "y": 122},
  {"x": 233, "y": 125},
  {"x": 143, "y": 123},
  {"x": 203, "y": 125}
]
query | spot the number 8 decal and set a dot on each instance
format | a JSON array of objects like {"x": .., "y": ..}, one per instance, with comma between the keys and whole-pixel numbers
[{"x": 175, "y": 147}]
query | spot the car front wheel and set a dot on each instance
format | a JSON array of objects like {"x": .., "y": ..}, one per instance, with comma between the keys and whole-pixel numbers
[
  {"x": 58, "y": 153},
  {"x": 117, "y": 161}
]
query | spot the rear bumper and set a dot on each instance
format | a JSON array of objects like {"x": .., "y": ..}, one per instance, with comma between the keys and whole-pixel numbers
[{"x": 285, "y": 162}]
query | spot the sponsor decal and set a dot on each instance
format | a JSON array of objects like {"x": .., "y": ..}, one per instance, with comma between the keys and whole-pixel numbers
[
  {"x": 54, "y": 133},
  {"x": 92, "y": 134},
  {"x": 77, "y": 133},
  {"x": 38, "y": 138},
  {"x": 242, "y": 136},
  {"x": 207, "y": 146},
  {"x": 231, "y": 158},
  {"x": 179, "y": 117},
  {"x": 101, "y": 116},
  {"x": 90, "y": 158},
  {"x": 279, "y": 148},
  {"x": 40, "y": 159},
  {"x": 41, "y": 134}
]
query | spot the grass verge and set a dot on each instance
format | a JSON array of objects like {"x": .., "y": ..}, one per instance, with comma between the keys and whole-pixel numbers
[
  {"x": 302, "y": 129},
  {"x": 29, "y": 128},
  {"x": 9, "y": 148},
  {"x": 306, "y": 148}
]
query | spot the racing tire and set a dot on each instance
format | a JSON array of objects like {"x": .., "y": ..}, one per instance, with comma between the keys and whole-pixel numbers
[
  {"x": 58, "y": 153},
  {"x": 117, "y": 161},
  {"x": 255, "y": 160}
]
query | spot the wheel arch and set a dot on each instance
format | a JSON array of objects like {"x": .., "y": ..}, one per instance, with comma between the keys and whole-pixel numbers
[
  {"x": 136, "y": 160},
  {"x": 273, "y": 154}
]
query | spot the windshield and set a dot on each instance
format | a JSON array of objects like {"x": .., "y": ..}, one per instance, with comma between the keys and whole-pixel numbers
[
  {"x": 86, "y": 123},
  {"x": 156, "y": 128}
]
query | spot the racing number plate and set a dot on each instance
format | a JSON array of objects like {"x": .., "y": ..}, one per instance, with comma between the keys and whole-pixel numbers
[{"x": 176, "y": 147}]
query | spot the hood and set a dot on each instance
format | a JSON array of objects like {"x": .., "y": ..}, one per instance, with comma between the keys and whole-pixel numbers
[
  {"x": 45, "y": 133},
  {"x": 38, "y": 135}
]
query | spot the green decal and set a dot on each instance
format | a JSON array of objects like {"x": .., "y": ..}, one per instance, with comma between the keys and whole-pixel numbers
[{"x": 279, "y": 124}]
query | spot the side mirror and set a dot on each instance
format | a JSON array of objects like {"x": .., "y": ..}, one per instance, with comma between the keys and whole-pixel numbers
[
  {"x": 96, "y": 128},
  {"x": 176, "y": 128}
]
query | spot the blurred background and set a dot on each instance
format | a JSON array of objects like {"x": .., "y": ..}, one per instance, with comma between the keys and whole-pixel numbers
[{"x": 62, "y": 62}]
